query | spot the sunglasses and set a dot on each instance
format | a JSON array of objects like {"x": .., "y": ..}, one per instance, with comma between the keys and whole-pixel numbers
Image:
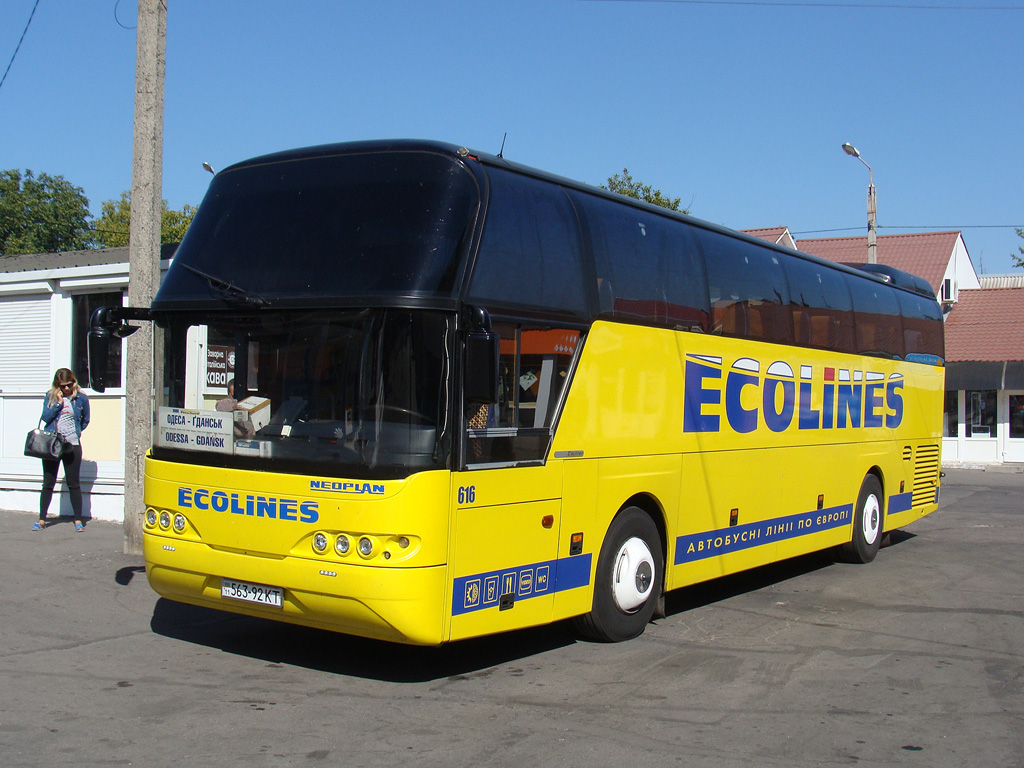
[{"x": 69, "y": 385}]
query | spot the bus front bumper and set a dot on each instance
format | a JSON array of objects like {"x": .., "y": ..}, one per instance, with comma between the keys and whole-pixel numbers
[{"x": 404, "y": 605}]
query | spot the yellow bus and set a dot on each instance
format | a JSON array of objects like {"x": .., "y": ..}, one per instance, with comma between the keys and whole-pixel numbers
[{"x": 417, "y": 393}]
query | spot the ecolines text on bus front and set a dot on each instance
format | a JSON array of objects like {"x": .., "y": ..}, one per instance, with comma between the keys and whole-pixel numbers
[
  {"x": 781, "y": 399},
  {"x": 248, "y": 504}
]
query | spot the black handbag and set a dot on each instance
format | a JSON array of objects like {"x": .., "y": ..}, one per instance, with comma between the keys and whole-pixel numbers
[{"x": 44, "y": 445}]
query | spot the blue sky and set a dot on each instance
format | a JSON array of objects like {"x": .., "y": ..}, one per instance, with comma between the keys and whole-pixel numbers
[{"x": 738, "y": 109}]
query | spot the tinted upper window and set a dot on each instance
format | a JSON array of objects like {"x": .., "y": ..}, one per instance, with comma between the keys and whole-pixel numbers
[
  {"x": 648, "y": 267},
  {"x": 749, "y": 293},
  {"x": 877, "y": 315},
  {"x": 529, "y": 254},
  {"x": 359, "y": 225},
  {"x": 821, "y": 306},
  {"x": 922, "y": 325}
]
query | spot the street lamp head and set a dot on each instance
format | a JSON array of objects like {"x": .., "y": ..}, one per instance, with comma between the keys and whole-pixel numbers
[
  {"x": 851, "y": 150},
  {"x": 207, "y": 167}
]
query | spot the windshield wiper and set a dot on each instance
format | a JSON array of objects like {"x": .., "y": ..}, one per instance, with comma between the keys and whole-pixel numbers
[{"x": 229, "y": 291}]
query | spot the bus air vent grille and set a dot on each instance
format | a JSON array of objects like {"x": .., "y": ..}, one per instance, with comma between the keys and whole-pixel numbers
[{"x": 926, "y": 474}]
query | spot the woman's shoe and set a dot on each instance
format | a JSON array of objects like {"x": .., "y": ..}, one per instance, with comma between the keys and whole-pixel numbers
[
  {"x": 79, "y": 528},
  {"x": 38, "y": 525}
]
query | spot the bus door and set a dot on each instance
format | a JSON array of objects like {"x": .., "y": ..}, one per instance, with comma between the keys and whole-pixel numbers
[
  {"x": 505, "y": 548},
  {"x": 507, "y": 500}
]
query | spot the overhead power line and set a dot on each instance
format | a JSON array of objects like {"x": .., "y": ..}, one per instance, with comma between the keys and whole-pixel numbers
[
  {"x": 20, "y": 41},
  {"x": 912, "y": 226},
  {"x": 826, "y": 231},
  {"x": 812, "y": 4},
  {"x": 953, "y": 226}
]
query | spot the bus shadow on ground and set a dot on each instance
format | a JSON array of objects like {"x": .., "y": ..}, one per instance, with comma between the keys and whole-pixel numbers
[
  {"x": 725, "y": 587},
  {"x": 280, "y": 643}
]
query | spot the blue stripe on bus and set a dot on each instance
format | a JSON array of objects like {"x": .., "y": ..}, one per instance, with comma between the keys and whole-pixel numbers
[
  {"x": 484, "y": 590},
  {"x": 900, "y": 502},
  {"x": 698, "y": 546}
]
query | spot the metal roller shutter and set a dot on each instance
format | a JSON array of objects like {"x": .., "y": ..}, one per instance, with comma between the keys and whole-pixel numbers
[{"x": 25, "y": 343}]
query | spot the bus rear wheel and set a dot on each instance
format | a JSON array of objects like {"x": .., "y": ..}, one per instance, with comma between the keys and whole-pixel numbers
[
  {"x": 629, "y": 577},
  {"x": 868, "y": 523}
]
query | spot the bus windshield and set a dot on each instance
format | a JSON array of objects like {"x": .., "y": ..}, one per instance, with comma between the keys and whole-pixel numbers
[
  {"x": 331, "y": 229},
  {"x": 354, "y": 393}
]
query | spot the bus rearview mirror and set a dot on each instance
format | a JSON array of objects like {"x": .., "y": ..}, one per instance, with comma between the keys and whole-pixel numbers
[
  {"x": 99, "y": 355},
  {"x": 105, "y": 324},
  {"x": 481, "y": 384}
]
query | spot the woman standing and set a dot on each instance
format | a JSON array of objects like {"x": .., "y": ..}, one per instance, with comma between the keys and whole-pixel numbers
[{"x": 66, "y": 411}]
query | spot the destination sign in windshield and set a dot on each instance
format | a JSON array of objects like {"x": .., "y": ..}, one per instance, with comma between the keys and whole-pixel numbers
[{"x": 195, "y": 430}]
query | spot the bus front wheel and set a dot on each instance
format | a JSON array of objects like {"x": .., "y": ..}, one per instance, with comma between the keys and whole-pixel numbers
[
  {"x": 867, "y": 524},
  {"x": 629, "y": 578}
]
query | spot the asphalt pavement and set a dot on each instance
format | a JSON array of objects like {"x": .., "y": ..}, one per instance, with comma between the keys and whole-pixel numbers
[{"x": 913, "y": 660}]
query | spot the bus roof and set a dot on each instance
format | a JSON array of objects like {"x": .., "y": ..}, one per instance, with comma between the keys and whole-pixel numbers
[{"x": 895, "y": 278}]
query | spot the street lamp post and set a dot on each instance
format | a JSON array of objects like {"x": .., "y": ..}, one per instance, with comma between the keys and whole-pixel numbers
[{"x": 872, "y": 245}]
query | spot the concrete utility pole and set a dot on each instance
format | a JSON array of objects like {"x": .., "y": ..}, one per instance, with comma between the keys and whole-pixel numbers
[
  {"x": 143, "y": 255},
  {"x": 872, "y": 224}
]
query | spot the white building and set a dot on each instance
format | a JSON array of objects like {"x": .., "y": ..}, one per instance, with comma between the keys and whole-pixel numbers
[
  {"x": 984, "y": 415},
  {"x": 45, "y": 304}
]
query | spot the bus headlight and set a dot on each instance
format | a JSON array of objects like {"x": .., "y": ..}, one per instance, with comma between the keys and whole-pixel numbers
[
  {"x": 320, "y": 543},
  {"x": 165, "y": 520},
  {"x": 365, "y": 546},
  {"x": 179, "y": 523},
  {"x": 342, "y": 544},
  {"x": 150, "y": 516}
]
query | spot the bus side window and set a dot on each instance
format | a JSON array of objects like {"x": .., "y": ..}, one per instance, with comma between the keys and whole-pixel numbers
[
  {"x": 922, "y": 325},
  {"x": 530, "y": 253},
  {"x": 821, "y": 304},
  {"x": 533, "y": 367},
  {"x": 648, "y": 267},
  {"x": 877, "y": 317},
  {"x": 748, "y": 288}
]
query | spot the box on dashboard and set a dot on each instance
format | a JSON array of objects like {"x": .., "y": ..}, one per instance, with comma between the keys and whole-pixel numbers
[{"x": 255, "y": 411}]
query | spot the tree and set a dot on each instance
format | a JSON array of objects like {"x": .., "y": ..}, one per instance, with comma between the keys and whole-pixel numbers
[
  {"x": 112, "y": 226},
  {"x": 174, "y": 224},
  {"x": 44, "y": 214},
  {"x": 1018, "y": 261},
  {"x": 626, "y": 185}
]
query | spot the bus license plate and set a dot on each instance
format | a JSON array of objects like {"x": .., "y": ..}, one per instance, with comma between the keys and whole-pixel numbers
[{"x": 252, "y": 593}]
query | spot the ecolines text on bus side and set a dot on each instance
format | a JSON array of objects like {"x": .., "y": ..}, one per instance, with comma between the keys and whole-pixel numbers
[{"x": 781, "y": 399}]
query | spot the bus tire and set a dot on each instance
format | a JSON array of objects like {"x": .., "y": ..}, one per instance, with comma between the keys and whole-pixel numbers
[
  {"x": 868, "y": 524},
  {"x": 630, "y": 573}
]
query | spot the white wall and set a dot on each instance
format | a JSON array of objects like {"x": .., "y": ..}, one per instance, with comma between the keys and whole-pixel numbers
[
  {"x": 36, "y": 310},
  {"x": 995, "y": 449},
  {"x": 960, "y": 271}
]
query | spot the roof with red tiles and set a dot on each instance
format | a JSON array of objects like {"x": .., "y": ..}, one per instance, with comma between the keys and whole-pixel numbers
[
  {"x": 925, "y": 254},
  {"x": 985, "y": 325}
]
